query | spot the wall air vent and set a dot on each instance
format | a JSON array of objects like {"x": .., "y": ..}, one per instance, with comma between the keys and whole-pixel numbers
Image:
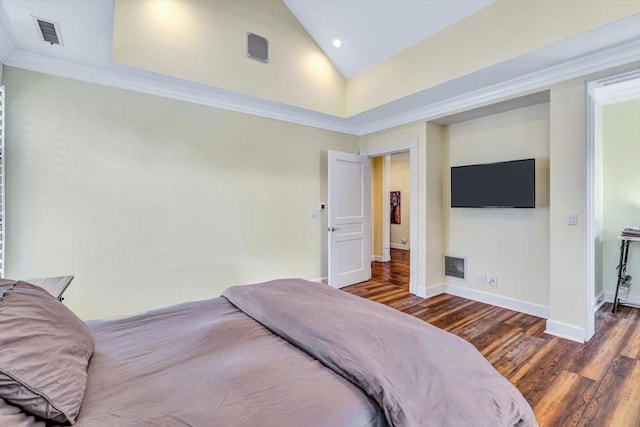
[
  {"x": 455, "y": 267},
  {"x": 257, "y": 47},
  {"x": 49, "y": 31}
]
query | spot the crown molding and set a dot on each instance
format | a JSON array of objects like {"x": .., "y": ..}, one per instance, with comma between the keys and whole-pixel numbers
[
  {"x": 7, "y": 46},
  {"x": 120, "y": 76},
  {"x": 619, "y": 55},
  {"x": 123, "y": 77},
  {"x": 624, "y": 91}
]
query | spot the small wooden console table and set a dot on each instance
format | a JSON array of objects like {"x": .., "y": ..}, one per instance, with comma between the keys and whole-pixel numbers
[{"x": 622, "y": 266}]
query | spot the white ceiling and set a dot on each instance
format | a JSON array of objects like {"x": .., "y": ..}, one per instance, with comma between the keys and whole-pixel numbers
[
  {"x": 86, "y": 27},
  {"x": 372, "y": 31}
]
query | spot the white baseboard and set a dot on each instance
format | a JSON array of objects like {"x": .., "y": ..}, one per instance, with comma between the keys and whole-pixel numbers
[
  {"x": 320, "y": 279},
  {"x": 378, "y": 258},
  {"x": 598, "y": 301},
  {"x": 631, "y": 299},
  {"x": 559, "y": 329},
  {"x": 564, "y": 330},
  {"x": 421, "y": 291},
  {"x": 433, "y": 290},
  {"x": 399, "y": 246},
  {"x": 499, "y": 300},
  {"x": 485, "y": 297}
]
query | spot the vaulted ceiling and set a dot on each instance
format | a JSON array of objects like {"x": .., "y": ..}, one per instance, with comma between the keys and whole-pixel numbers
[
  {"x": 399, "y": 61},
  {"x": 372, "y": 31}
]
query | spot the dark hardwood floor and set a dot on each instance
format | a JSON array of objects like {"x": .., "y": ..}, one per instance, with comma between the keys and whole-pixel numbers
[{"x": 567, "y": 383}]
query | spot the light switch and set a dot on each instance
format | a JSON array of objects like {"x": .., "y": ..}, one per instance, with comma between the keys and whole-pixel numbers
[{"x": 572, "y": 219}]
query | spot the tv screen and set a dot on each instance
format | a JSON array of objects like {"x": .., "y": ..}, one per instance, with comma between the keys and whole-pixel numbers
[{"x": 494, "y": 185}]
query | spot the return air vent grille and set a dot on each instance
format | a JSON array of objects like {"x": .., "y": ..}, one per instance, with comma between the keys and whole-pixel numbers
[
  {"x": 257, "y": 47},
  {"x": 49, "y": 31},
  {"x": 455, "y": 267}
]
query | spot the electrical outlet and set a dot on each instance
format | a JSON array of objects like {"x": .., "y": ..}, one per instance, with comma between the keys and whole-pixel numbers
[
  {"x": 481, "y": 278},
  {"x": 492, "y": 280}
]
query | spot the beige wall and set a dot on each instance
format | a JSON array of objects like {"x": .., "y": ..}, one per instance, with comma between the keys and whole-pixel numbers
[
  {"x": 205, "y": 41},
  {"x": 567, "y": 245},
  {"x": 621, "y": 189},
  {"x": 151, "y": 201},
  {"x": 400, "y": 180},
  {"x": 376, "y": 205},
  {"x": 567, "y": 193},
  {"x": 436, "y": 208},
  {"x": 512, "y": 244},
  {"x": 497, "y": 33}
]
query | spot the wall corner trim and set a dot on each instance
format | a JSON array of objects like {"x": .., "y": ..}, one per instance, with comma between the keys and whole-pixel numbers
[
  {"x": 565, "y": 330},
  {"x": 433, "y": 290},
  {"x": 421, "y": 291}
]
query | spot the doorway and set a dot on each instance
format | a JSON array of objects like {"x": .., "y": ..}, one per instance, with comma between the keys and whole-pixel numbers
[
  {"x": 391, "y": 218},
  {"x": 410, "y": 147},
  {"x": 613, "y": 183}
]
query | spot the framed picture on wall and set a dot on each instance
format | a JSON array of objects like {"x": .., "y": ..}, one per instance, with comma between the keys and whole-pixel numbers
[{"x": 395, "y": 207}]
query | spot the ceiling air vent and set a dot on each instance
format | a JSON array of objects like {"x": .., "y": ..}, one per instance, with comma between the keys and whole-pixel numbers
[
  {"x": 49, "y": 31},
  {"x": 257, "y": 47}
]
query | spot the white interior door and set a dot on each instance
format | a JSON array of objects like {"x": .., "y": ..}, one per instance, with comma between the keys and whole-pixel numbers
[{"x": 349, "y": 219}]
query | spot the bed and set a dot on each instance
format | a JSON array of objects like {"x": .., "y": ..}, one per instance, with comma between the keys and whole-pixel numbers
[{"x": 282, "y": 353}]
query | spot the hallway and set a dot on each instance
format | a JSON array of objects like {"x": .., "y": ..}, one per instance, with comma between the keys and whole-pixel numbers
[{"x": 394, "y": 272}]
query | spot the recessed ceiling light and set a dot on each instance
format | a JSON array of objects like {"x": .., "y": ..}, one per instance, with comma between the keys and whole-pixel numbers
[{"x": 336, "y": 42}]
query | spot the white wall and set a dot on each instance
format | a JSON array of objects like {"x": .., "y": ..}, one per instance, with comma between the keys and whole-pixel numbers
[
  {"x": 621, "y": 190},
  {"x": 512, "y": 244},
  {"x": 151, "y": 201},
  {"x": 400, "y": 180}
]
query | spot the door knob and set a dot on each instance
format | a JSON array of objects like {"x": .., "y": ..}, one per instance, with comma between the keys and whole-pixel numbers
[{"x": 332, "y": 229}]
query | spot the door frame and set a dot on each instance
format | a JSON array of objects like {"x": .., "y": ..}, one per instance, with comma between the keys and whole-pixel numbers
[
  {"x": 590, "y": 209},
  {"x": 386, "y": 214},
  {"x": 412, "y": 147}
]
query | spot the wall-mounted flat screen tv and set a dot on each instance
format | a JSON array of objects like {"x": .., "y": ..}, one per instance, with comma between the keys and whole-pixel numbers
[{"x": 494, "y": 185}]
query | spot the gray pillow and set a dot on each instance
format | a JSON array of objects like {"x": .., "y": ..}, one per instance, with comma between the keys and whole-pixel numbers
[
  {"x": 5, "y": 287},
  {"x": 44, "y": 353}
]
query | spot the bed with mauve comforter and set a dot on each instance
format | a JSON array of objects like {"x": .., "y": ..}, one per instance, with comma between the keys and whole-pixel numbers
[{"x": 288, "y": 353}]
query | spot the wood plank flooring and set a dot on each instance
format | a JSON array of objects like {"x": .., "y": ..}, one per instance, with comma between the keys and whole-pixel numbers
[{"x": 567, "y": 384}]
